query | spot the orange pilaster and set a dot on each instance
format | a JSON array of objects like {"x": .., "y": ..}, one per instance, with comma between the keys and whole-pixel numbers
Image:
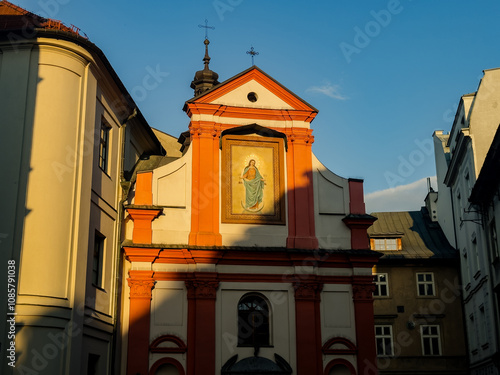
[
  {"x": 144, "y": 189},
  {"x": 362, "y": 290},
  {"x": 308, "y": 332},
  {"x": 205, "y": 194},
  {"x": 141, "y": 283},
  {"x": 201, "y": 324},
  {"x": 143, "y": 218},
  {"x": 301, "y": 230}
]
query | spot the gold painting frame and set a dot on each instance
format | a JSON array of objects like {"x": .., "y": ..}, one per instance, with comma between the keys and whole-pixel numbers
[{"x": 252, "y": 183}]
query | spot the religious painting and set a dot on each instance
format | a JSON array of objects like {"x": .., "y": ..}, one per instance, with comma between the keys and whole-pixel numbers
[{"x": 252, "y": 180}]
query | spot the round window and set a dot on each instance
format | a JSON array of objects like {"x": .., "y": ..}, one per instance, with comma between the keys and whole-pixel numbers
[{"x": 252, "y": 97}]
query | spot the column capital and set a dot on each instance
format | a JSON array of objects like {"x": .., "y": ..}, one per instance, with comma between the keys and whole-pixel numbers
[
  {"x": 199, "y": 289},
  {"x": 363, "y": 292},
  {"x": 141, "y": 288},
  {"x": 307, "y": 290},
  {"x": 204, "y": 129},
  {"x": 303, "y": 137}
]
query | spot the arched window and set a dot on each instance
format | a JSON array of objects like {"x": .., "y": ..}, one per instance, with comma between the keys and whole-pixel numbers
[{"x": 253, "y": 321}]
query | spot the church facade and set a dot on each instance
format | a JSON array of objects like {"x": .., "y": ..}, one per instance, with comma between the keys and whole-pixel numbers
[
  {"x": 246, "y": 254},
  {"x": 230, "y": 250}
]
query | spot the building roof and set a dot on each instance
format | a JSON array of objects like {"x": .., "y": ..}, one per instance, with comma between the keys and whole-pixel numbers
[
  {"x": 169, "y": 143},
  {"x": 14, "y": 18},
  {"x": 420, "y": 237},
  {"x": 16, "y": 23}
]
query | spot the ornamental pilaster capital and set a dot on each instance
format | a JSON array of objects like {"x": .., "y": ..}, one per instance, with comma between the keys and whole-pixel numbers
[
  {"x": 304, "y": 138},
  {"x": 140, "y": 288},
  {"x": 307, "y": 290},
  {"x": 363, "y": 292},
  {"x": 199, "y": 289},
  {"x": 204, "y": 129}
]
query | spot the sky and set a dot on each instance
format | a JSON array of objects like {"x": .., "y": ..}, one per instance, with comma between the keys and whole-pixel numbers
[{"x": 384, "y": 75}]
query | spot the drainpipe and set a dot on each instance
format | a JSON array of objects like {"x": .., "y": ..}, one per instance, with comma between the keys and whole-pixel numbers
[{"x": 125, "y": 187}]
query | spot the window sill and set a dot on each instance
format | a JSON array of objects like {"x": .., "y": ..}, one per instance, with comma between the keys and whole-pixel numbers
[{"x": 99, "y": 287}]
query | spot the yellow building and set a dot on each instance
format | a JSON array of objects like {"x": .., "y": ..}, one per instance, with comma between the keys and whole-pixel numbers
[
  {"x": 68, "y": 128},
  {"x": 418, "y": 307}
]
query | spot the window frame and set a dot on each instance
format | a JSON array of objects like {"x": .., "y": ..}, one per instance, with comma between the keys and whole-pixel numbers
[
  {"x": 385, "y": 246},
  {"x": 97, "y": 270},
  {"x": 379, "y": 284},
  {"x": 431, "y": 337},
  {"x": 249, "y": 340},
  {"x": 104, "y": 143},
  {"x": 384, "y": 336},
  {"x": 425, "y": 283}
]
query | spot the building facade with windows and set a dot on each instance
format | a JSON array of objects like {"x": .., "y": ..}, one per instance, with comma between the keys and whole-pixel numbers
[
  {"x": 246, "y": 254},
  {"x": 231, "y": 251},
  {"x": 462, "y": 155},
  {"x": 69, "y": 129},
  {"x": 417, "y": 298}
]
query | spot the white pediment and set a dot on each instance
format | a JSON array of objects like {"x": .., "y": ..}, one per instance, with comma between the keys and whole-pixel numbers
[{"x": 238, "y": 97}]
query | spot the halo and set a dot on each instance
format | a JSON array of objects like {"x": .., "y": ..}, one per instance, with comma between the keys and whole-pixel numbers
[{"x": 249, "y": 157}]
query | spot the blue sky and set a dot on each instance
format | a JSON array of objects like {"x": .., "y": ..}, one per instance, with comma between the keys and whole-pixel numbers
[{"x": 383, "y": 74}]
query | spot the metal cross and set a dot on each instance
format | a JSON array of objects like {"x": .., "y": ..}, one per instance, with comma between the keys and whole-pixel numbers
[
  {"x": 253, "y": 53},
  {"x": 206, "y": 27}
]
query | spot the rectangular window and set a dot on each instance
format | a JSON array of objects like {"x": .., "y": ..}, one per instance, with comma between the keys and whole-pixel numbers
[
  {"x": 104, "y": 147},
  {"x": 383, "y": 339},
  {"x": 431, "y": 342},
  {"x": 386, "y": 244},
  {"x": 381, "y": 281},
  {"x": 425, "y": 284},
  {"x": 98, "y": 252}
]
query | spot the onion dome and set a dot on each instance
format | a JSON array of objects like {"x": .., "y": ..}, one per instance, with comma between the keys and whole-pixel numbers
[{"x": 204, "y": 79}]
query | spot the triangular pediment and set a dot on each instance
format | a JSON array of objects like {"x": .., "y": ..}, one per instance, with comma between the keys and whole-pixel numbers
[{"x": 253, "y": 88}]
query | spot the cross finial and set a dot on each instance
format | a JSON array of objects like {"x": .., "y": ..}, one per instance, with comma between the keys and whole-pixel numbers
[
  {"x": 206, "y": 27},
  {"x": 253, "y": 53}
]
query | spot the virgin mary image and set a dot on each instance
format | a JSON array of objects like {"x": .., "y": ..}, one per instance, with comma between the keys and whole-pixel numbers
[{"x": 254, "y": 187}]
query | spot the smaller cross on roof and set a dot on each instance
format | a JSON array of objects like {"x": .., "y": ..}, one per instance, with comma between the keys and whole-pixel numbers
[
  {"x": 206, "y": 27},
  {"x": 253, "y": 53}
]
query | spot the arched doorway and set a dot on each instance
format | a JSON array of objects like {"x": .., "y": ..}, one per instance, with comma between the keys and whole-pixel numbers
[
  {"x": 339, "y": 370},
  {"x": 167, "y": 369}
]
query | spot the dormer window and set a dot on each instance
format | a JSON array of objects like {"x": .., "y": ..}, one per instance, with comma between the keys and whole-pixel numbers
[{"x": 385, "y": 244}]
